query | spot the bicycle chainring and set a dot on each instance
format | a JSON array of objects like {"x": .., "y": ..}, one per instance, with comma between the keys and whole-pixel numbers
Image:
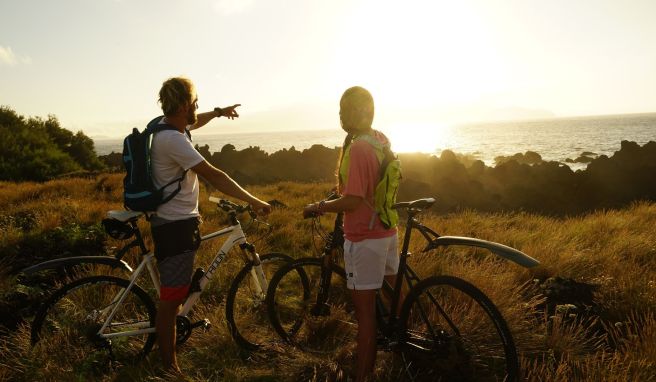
[{"x": 183, "y": 329}]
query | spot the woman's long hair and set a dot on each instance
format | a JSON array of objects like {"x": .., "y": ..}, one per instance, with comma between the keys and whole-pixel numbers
[{"x": 347, "y": 141}]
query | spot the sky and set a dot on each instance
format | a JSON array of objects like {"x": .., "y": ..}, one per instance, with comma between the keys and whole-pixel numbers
[{"x": 98, "y": 65}]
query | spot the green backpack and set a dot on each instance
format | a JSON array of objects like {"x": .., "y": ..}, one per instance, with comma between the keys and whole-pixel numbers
[{"x": 388, "y": 185}]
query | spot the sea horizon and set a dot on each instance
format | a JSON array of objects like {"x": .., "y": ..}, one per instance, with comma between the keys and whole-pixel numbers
[{"x": 555, "y": 139}]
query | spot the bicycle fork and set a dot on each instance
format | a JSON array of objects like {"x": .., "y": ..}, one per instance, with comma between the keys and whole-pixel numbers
[{"x": 257, "y": 272}]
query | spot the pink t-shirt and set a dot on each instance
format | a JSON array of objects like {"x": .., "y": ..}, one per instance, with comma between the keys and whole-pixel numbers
[{"x": 364, "y": 173}]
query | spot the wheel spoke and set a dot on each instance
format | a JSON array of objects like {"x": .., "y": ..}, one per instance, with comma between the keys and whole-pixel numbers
[
  {"x": 453, "y": 332},
  {"x": 299, "y": 315},
  {"x": 246, "y": 311},
  {"x": 71, "y": 320}
]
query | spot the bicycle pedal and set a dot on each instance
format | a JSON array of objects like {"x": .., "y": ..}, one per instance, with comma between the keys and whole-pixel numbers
[{"x": 204, "y": 323}]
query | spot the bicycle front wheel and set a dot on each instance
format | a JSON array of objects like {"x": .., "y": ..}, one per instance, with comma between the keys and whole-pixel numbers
[
  {"x": 245, "y": 307},
  {"x": 299, "y": 315},
  {"x": 66, "y": 326},
  {"x": 453, "y": 332}
]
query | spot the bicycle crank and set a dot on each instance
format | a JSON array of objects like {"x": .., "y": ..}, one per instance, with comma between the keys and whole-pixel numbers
[{"x": 184, "y": 327}]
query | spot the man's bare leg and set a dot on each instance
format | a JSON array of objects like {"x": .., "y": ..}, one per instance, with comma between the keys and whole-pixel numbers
[{"x": 165, "y": 326}]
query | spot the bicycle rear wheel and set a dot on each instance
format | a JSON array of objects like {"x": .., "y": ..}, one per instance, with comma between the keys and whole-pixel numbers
[
  {"x": 66, "y": 326},
  {"x": 245, "y": 308},
  {"x": 298, "y": 318},
  {"x": 453, "y": 332}
]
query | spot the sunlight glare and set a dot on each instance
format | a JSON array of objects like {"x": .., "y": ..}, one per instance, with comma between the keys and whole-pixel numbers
[
  {"x": 416, "y": 137},
  {"x": 421, "y": 55}
]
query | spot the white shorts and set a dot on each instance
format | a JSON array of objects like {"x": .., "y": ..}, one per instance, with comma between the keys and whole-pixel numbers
[{"x": 366, "y": 262}]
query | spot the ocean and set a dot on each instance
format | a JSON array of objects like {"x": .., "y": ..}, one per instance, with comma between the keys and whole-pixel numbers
[{"x": 554, "y": 139}]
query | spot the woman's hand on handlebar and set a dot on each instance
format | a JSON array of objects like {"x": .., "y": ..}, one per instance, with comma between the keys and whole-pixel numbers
[{"x": 311, "y": 211}]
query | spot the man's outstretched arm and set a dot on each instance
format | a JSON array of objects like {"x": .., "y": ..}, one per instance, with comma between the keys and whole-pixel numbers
[
  {"x": 222, "y": 182},
  {"x": 229, "y": 112}
]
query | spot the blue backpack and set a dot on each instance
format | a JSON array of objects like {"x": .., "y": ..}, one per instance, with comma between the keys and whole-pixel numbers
[{"x": 139, "y": 191}]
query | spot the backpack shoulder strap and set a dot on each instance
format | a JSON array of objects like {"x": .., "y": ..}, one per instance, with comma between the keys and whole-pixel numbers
[
  {"x": 155, "y": 126},
  {"x": 372, "y": 141},
  {"x": 387, "y": 155}
]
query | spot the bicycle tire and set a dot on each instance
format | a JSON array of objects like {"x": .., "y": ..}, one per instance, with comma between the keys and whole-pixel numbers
[
  {"x": 64, "y": 322},
  {"x": 245, "y": 310},
  {"x": 476, "y": 345},
  {"x": 295, "y": 316}
]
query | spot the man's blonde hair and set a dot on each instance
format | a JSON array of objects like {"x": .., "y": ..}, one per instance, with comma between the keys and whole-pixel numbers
[{"x": 175, "y": 93}]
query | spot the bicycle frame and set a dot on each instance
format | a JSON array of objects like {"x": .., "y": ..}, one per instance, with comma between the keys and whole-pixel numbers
[
  {"x": 403, "y": 266},
  {"x": 236, "y": 236},
  {"x": 435, "y": 241}
]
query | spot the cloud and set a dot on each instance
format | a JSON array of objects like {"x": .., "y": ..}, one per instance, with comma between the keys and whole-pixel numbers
[
  {"x": 8, "y": 57},
  {"x": 231, "y": 7}
]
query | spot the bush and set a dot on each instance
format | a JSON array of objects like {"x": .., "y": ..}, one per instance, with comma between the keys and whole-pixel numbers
[
  {"x": 69, "y": 240},
  {"x": 34, "y": 149}
]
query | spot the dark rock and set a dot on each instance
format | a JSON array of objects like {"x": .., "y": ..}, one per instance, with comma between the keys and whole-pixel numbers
[
  {"x": 583, "y": 159},
  {"x": 529, "y": 157},
  {"x": 567, "y": 294}
]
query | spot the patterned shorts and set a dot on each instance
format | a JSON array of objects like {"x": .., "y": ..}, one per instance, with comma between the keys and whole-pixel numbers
[{"x": 176, "y": 243}]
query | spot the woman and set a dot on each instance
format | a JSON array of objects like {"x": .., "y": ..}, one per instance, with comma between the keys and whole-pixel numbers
[{"x": 370, "y": 249}]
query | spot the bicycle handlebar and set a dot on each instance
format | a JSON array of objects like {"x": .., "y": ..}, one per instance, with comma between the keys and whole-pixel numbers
[{"x": 229, "y": 206}]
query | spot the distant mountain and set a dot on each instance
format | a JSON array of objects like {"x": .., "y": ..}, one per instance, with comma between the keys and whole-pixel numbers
[{"x": 102, "y": 137}]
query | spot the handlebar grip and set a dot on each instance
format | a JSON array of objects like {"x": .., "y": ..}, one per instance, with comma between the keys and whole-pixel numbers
[{"x": 333, "y": 195}]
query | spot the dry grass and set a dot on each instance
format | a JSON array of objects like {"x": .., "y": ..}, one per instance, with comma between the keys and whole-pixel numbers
[{"x": 614, "y": 250}]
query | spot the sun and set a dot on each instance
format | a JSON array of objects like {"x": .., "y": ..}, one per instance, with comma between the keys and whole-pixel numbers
[
  {"x": 421, "y": 61},
  {"x": 416, "y": 137}
]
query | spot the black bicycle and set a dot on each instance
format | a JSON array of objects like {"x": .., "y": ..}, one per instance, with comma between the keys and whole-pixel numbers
[{"x": 446, "y": 329}]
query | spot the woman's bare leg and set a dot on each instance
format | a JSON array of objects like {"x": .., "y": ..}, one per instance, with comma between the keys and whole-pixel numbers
[{"x": 365, "y": 313}]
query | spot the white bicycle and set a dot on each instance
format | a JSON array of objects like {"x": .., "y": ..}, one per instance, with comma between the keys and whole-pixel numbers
[{"x": 104, "y": 315}]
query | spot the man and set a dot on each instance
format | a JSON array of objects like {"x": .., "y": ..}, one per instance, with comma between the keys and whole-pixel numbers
[{"x": 175, "y": 224}]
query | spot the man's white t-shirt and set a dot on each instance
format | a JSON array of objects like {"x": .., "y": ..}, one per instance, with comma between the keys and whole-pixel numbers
[{"x": 172, "y": 153}]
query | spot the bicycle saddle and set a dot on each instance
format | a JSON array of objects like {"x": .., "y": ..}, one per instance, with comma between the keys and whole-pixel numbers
[
  {"x": 420, "y": 204},
  {"x": 123, "y": 215}
]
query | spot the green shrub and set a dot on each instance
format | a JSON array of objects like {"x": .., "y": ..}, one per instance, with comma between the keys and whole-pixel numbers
[{"x": 34, "y": 149}]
